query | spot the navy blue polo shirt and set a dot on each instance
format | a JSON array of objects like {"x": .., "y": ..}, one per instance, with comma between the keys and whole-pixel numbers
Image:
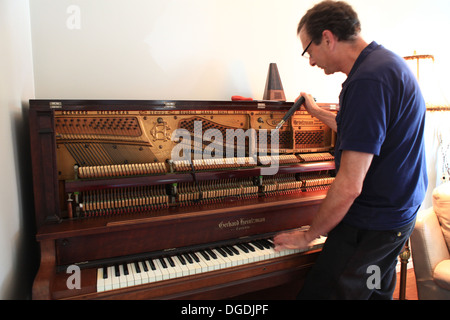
[{"x": 382, "y": 112}]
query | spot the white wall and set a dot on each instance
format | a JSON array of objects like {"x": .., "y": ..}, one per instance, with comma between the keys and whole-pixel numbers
[
  {"x": 17, "y": 265},
  {"x": 204, "y": 49}
]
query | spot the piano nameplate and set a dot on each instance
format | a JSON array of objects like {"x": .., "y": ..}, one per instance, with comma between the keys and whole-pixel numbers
[{"x": 240, "y": 223}]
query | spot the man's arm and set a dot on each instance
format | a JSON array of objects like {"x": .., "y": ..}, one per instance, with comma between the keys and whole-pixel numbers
[
  {"x": 327, "y": 117},
  {"x": 345, "y": 189}
]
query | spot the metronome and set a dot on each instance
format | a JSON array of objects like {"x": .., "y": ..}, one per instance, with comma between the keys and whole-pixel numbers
[{"x": 274, "y": 87}]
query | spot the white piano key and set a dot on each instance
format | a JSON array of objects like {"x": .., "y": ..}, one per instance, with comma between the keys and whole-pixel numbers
[
  {"x": 243, "y": 257},
  {"x": 250, "y": 255},
  {"x": 282, "y": 252},
  {"x": 214, "y": 262},
  {"x": 194, "y": 266},
  {"x": 189, "y": 266},
  {"x": 184, "y": 269},
  {"x": 265, "y": 253},
  {"x": 174, "y": 271},
  {"x": 273, "y": 253},
  {"x": 114, "y": 278},
  {"x": 235, "y": 258},
  {"x": 145, "y": 277},
  {"x": 222, "y": 263},
  {"x": 100, "y": 280},
  {"x": 122, "y": 277},
  {"x": 167, "y": 267},
  {"x": 232, "y": 257},
  {"x": 211, "y": 265},
  {"x": 204, "y": 266},
  {"x": 130, "y": 276},
  {"x": 255, "y": 253},
  {"x": 108, "y": 280},
  {"x": 201, "y": 263},
  {"x": 270, "y": 253},
  {"x": 134, "y": 273},
  {"x": 258, "y": 254},
  {"x": 155, "y": 275},
  {"x": 228, "y": 262},
  {"x": 164, "y": 271}
]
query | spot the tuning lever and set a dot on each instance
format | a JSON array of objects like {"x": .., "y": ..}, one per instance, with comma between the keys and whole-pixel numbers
[{"x": 291, "y": 111}]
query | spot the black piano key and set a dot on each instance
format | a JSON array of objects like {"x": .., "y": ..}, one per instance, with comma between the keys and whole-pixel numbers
[
  {"x": 267, "y": 243},
  {"x": 222, "y": 252},
  {"x": 233, "y": 249},
  {"x": 105, "y": 273},
  {"x": 152, "y": 265},
  {"x": 163, "y": 263},
  {"x": 211, "y": 253},
  {"x": 205, "y": 255},
  {"x": 264, "y": 245},
  {"x": 125, "y": 269},
  {"x": 117, "y": 270},
  {"x": 227, "y": 250},
  {"x": 249, "y": 247},
  {"x": 145, "y": 266},
  {"x": 194, "y": 256},
  {"x": 188, "y": 258},
  {"x": 182, "y": 260},
  {"x": 242, "y": 247},
  {"x": 256, "y": 244},
  {"x": 172, "y": 264},
  {"x": 136, "y": 266}
]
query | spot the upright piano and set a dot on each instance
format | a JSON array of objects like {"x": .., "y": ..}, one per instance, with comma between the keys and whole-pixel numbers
[{"x": 174, "y": 199}]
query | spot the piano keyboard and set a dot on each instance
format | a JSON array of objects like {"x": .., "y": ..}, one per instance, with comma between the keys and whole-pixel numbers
[{"x": 185, "y": 264}]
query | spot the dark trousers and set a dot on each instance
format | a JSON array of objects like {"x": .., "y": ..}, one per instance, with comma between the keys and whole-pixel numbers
[{"x": 356, "y": 264}]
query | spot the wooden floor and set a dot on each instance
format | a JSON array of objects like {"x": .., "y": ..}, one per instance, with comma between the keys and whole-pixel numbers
[{"x": 411, "y": 289}]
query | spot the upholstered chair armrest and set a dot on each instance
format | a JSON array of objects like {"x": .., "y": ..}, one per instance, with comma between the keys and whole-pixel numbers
[
  {"x": 427, "y": 245},
  {"x": 441, "y": 274}
]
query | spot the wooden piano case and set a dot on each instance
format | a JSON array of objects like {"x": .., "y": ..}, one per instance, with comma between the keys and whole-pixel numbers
[{"x": 119, "y": 181}]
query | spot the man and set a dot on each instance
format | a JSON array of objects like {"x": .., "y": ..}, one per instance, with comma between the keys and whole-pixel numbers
[{"x": 370, "y": 209}]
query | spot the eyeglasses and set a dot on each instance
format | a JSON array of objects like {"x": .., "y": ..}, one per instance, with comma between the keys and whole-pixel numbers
[{"x": 305, "y": 54}]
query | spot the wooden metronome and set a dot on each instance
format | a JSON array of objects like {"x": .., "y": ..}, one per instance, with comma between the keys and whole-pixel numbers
[{"x": 274, "y": 87}]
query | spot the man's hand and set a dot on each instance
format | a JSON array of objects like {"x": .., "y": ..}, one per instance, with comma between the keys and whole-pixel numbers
[
  {"x": 310, "y": 103},
  {"x": 327, "y": 117},
  {"x": 291, "y": 240}
]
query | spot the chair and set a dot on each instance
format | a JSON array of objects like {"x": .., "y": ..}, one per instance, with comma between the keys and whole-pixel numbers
[{"x": 430, "y": 243}]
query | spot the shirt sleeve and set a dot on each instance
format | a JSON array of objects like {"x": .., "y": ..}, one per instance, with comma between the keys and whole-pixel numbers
[{"x": 362, "y": 119}]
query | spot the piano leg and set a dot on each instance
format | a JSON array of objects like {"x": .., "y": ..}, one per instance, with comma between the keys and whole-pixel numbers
[{"x": 47, "y": 270}]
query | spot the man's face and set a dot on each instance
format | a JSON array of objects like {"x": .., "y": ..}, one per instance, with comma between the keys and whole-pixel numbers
[{"x": 317, "y": 55}]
